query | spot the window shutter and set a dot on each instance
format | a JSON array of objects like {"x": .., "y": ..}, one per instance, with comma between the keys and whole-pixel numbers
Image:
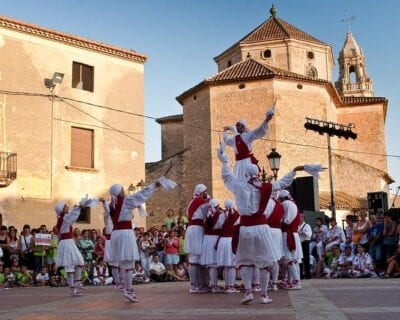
[{"x": 82, "y": 147}]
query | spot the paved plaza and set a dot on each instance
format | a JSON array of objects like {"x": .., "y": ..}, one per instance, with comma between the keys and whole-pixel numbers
[{"x": 337, "y": 299}]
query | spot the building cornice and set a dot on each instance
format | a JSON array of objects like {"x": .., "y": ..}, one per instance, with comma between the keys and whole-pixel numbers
[{"x": 71, "y": 40}]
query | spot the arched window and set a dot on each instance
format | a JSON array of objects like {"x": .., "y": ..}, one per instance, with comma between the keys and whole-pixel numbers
[
  {"x": 311, "y": 72},
  {"x": 352, "y": 74},
  {"x": 267, "y": 54},
  {"x": 229, "y": 63}
]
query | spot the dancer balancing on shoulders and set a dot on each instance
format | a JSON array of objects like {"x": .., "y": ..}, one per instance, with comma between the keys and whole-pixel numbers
[{"x": 255, "y": 236}]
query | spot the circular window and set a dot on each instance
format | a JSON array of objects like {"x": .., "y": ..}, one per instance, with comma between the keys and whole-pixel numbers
[
  {"x": 299, "y": 86},
  {"x": 267, "y": 53},
  {"x": 310, "y": 55},
  {"x": 242, "y": 86}
]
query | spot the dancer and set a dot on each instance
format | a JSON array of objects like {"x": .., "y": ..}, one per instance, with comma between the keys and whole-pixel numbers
[
  {"x": 124, "y": 248},
  {"x": 241, "y": 141},
  {"x": 197, "y": 212},
  {"x": 109, "y": 226},
  {"x": 225, "y": 255},
  {"x": 68, "y": 255},
  {"x": 293, "y": 253},
  {"x": 208, "y": 257},
  {"x": 255, "y": 236}
]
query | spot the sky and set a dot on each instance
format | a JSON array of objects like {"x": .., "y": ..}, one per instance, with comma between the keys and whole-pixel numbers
[{"x": 181, "y": 38}]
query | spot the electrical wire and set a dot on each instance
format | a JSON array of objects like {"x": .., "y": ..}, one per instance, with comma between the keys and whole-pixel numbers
[{"x": 66, "y": 100}]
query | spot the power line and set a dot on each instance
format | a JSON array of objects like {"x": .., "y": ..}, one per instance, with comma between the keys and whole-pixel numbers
[
  {"x": 93, "y": 125},
  {"x": 66, "y": 99},
  {"x": 89, "y": 115}
]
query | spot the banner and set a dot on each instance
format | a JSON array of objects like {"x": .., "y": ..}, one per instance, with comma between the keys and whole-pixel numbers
[{"x": 43, "y": 239}]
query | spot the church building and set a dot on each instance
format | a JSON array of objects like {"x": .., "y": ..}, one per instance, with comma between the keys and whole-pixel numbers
[{"x": 278, "y": 61}]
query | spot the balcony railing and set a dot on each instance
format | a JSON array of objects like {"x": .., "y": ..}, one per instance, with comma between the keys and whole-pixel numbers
[{"x": 8, "y": 168}]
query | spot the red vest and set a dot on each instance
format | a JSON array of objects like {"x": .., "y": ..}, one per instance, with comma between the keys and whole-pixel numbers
[
  {"x": 193, "y": 206},
  {"x": 210, "y": 223},
  {"x": 227, "y": 227},
  {"x": 115, "y": 212},
  {"x": 275, "y": 219},
  {"x": 63, "y": 236},
  {"x": 243, "y": 151}
]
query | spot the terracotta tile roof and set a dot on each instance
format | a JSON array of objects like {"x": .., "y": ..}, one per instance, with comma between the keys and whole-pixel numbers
[
  {"x": 246, "y": 69},
  {"x": 274, "y": 29},
  {"x": 362, "y": 100},
  {"x": 249, "y": 69},
  {"x": 71, "y": 40},
  {"x": 342, "y": 201},
  {"x": 173, "y": 118}
]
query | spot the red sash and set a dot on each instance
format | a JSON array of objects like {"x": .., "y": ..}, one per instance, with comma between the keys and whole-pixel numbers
[
  {"x": 265, "y": 194},
  {"x": 193, "y": 206},
  {"x": 290, "y": 229},
  {"x": 243, "y": 151},
  {"x": 275, "y": 219}
]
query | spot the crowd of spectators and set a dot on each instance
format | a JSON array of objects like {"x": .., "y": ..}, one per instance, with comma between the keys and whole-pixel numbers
[
  {"x": 24, "y": 263},
  {"x": 366, "y": 247}
]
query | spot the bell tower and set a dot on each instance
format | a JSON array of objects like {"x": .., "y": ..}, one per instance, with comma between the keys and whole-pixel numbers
[{"x": 353, "y": 78}]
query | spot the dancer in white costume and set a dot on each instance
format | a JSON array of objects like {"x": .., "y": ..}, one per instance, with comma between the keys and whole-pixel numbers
[
  {"x": 274, "y": 213},
  {"x": 241, "y": 141},
  {"x": 293, "y": 253},
  {"x": 68, "y": 254},
  {"x": 124, "y": 248},
  {"x": 225, "y": 255},
  {"x": 197, "y": 211},
  {"x": 108, "y": 223},
  {"x": 255, "y": 236},
  {"x": 208, "y": 257}
]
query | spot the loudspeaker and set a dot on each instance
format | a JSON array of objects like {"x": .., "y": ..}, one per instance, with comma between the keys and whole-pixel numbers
[
  {"x": 304, "y": 191},
  {"x": 377, "y": 203}
]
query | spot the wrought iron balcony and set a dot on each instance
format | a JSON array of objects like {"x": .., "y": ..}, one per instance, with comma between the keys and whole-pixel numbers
[{"x": 8, "y": 168}]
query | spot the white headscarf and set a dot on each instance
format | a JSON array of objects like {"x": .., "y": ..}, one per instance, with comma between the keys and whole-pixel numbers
[
  {"x": 115, "y": 190},
  {"x": 243, "y": 122},
  {"x": 284, "y": 194},
  {"x": 214, "y": 203},
  {"x": 251, "y": 170},
  {"x": 59, "y": 207},
  {"x": 199, "y": 189},
  {"x": 229, "y": 204}
]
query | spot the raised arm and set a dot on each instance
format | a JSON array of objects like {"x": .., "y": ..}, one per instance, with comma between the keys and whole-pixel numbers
[
  {"x": 286, "y": 180},
  {"x": 73, "y": 215},
  {"x": 230, "y": 181},
  {"x": 135, "y": 200},
  {"x": 229, "y": 139}
]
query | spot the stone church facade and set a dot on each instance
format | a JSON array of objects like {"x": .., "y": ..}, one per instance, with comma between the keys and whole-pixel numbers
[{"x": 277, "y": 61}]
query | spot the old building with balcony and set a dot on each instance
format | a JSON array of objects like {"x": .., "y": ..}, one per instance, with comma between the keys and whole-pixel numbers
[{"x": 59, "y": 97}]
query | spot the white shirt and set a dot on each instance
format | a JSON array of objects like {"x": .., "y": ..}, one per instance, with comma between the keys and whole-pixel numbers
[
  {"x": 107, "y": 218},
  {"x": 69, "y": 219},
  {"x": 305, "y": 232},
  {"x": 134, "y": 201},
  {"x": 290, "y": 211},
  {"x": 247, "y": 196},
  {"x": 42, "y": 277},
  {"x": 201, "y": 211},
  {"x": 247, "y": 137},
  {"x": 157, "y": 267}
]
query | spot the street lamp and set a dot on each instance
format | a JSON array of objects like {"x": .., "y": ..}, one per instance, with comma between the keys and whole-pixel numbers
[
  {"x": 274, "y": 159},
  {"x": 51, "y": 84},
  {"x": 140, "y": 185},
  {"x": 131, "y": 189}
]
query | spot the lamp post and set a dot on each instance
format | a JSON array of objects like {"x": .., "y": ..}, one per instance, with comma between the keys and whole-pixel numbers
[
  {"x": 274, "y": 159},
  {"x": 51, "y": 84},
  {"x": 131, "y": 189}
]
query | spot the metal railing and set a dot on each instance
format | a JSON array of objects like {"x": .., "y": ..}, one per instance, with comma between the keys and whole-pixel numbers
[{"x": 8, "y": 168}]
